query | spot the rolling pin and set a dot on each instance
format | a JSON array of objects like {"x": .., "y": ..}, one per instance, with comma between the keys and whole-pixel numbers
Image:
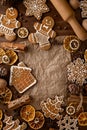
[{"x": 68, "y": 15}]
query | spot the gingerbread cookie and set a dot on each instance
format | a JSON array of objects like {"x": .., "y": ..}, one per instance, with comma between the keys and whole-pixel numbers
[
  {"x": 83, "y": 6},
  {"x": 21, "y": 78},
  {"x": 11, "y": 124},
  {"x": 52, "y": 108},
  {"x": 36, "y": 8},
  {"x": 43, "y": 33},
  {"x": 8, "y": 23}
]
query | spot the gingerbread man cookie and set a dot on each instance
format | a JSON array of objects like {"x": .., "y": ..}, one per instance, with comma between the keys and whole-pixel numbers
[
  {"x": 8, "y": 23},
  {"x": 43, "y": 33}
]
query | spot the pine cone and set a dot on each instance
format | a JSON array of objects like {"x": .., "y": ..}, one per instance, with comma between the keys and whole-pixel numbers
[
  {"x": 3, "y": 71},
  {"x": 74, "y": 89}
]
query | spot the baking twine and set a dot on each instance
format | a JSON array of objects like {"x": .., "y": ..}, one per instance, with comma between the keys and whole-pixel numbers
[{"x": 81, "y": 102}]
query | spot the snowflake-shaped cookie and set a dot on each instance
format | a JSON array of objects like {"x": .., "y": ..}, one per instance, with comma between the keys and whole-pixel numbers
[
  {"x": 83, "y": 6},
  {"x": 52, "y": 108},
  {"x": 36, "y": 8},
  {"x": 77, "y": 71},
  {"x": 67, "y": 123}
]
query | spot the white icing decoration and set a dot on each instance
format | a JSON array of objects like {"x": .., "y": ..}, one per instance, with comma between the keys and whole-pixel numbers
[
  {"x": 6, "y": 30},
  {"x": 83, "y": 6},
  {"x": 8, "y": 22},
  {"x": 11, "y": 11},
  {"x": 45, "y": 26},
  {"x": 42, "y": 37}
]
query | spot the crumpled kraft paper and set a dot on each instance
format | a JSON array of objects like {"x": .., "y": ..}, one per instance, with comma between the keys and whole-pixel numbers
[{"x": 49, "y": 68}]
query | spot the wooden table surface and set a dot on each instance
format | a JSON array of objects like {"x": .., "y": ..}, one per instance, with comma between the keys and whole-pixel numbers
[{"x": 61, "y": 28}]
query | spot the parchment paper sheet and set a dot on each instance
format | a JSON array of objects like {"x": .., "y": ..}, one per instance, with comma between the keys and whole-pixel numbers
[{"x": 49, "y": 68}]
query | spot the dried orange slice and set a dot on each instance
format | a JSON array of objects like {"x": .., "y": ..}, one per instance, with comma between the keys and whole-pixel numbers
[
  {"x": 12, "y": 56},
  {"x": 38, "y": 121},
  {"x": 1, "y": 124},
  {"x": 27, "y": 113},
  {"x": 6, "y": 96},
  {"x": 70, "y": 110},
  {"x": 2, "y": 52},
  {"x": 85, "y": 55},
  {"x": 5, "y": 59},
  {"x": 82, "y": 119},
  {"x": 22, "y": 32},
  {"x": 1, "y": 114},
  {"x": 71, "y": 43}
]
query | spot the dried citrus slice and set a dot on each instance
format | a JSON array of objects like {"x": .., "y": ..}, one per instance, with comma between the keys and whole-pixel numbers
[
  {"x": 1, "y": 124},
  {"x": 70, "y": 110},
  {"x": 1, "y": 114},
  {"x": 38, "y": 121},
  {"x": 12, "y": 56},
  {"x": 6, "y": 96},
  {"x": 82, "y": 119},
  {"x": 27, "y": 113},
  {"x": 2, "y": 52},
  {"x": 5, "y": 59},
  {"x": 85, "y": 55},
  {"x": 71, "y": 43},
  {"x": 22, "y": 32}
]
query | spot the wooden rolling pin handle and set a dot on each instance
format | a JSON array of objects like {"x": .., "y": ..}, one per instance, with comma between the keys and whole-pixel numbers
[
  {"x": 77, "y": 28},
  {"x": 68, "y": 15}
]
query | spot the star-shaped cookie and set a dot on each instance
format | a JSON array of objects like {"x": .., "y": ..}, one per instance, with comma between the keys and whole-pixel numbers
[{"x": 36, "y": 8}]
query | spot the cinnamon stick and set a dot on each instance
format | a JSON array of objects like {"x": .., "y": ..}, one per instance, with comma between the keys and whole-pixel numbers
[
  {"x": 51, "y": 129},
  {"x": 74, "y": 98},
  {"x": 19, "y": 102},
  {"x": 14, "y": 46}
]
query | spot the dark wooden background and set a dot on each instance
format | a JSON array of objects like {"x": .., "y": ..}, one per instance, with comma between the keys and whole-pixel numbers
[{"x": 61, "y": 28}]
